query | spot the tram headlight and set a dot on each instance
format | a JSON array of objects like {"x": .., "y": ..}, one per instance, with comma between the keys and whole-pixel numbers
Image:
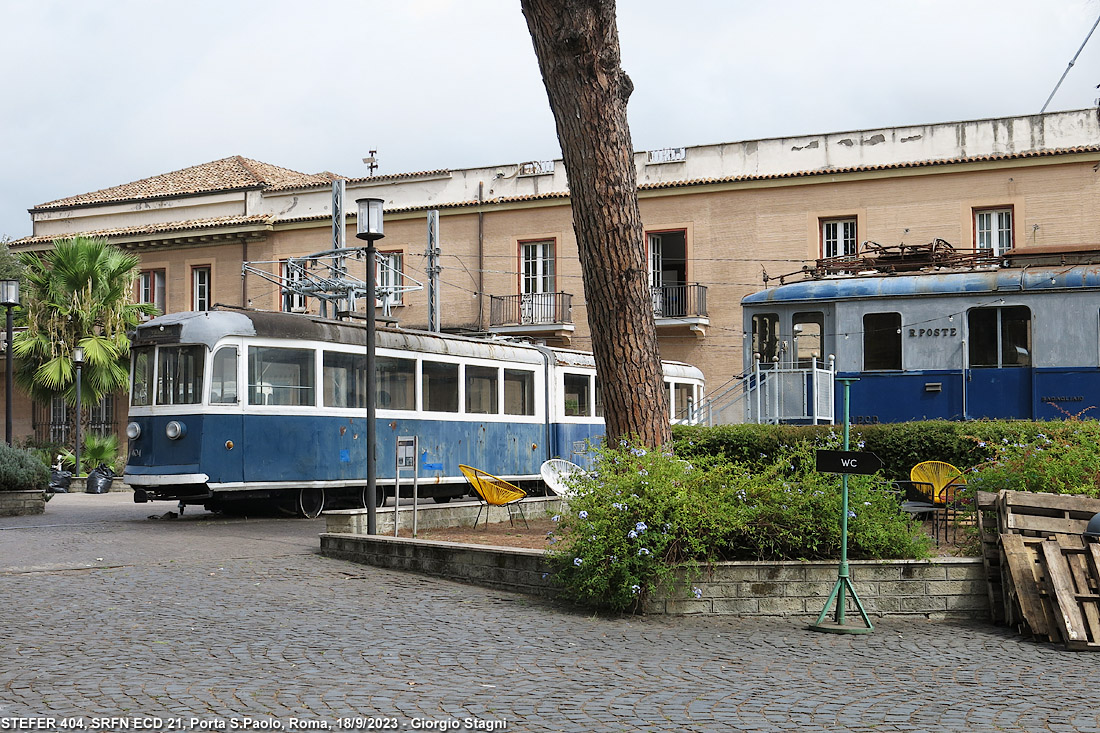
[
  {"x": 175, "y": 430},
  {"x": 133, "y": 431}
]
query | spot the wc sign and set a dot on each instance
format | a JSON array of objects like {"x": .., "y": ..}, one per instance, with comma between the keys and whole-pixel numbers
[{"x": 842, "y": 461}]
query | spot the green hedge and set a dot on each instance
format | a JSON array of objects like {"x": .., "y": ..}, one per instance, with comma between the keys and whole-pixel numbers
[
  {"x": 900, "y": 446},
  {"x": 21, "y": 470}
]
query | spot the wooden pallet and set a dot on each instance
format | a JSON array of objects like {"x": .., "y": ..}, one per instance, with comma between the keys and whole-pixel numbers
[
  {"x": 1035, "y": 514},
  {"x": 1073, "y": 586},
  {"x": 986, "y": 520},
  {"x": 1049, "y": 575}
]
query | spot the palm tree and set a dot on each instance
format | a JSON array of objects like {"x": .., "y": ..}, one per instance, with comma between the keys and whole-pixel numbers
[{"x": 77, "y": 294}]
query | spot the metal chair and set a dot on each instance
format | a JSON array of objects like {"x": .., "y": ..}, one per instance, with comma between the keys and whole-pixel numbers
[
  {"x": 939, "y": 482},
  {"x": 493, "y": 491},
  {"x": 555, "y": 474}
]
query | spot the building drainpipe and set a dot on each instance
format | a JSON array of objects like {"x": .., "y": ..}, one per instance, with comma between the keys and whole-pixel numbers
[{"x": 480, "y": 257}]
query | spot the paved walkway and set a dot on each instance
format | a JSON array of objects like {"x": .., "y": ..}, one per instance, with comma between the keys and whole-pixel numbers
[{"x": 113, "y": 621}]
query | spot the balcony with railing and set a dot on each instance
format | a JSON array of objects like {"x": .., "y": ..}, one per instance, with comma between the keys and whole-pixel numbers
[
  {"x": 545, "y": 315},
  {"x": 681, "y": 307}
]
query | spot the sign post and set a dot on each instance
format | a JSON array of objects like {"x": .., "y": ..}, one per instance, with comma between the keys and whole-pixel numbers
[
  {"x": 406, "y": 459},
  {"x": 844, "y": 462}
]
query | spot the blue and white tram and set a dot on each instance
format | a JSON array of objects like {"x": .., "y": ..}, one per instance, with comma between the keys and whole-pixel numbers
[
  {"x": 238, "y": 404},
  {"x": 1020, "y": 342}
]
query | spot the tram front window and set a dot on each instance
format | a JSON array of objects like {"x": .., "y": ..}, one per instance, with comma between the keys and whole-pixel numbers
[
  {"x": 141, "y": 392},
  {"x": 179, "y": 375}
]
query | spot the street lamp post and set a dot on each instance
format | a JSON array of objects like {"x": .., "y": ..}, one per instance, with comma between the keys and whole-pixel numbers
[
  {"x": 78, "y": 360},
  {"x": 9, "y": 298},
  {"x": 369, "y": 228}
]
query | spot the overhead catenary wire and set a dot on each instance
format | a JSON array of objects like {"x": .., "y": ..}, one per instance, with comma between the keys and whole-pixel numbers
[{"x": 1072, "y": 61}]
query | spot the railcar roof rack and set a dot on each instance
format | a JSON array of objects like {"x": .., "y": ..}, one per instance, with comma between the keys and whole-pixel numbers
[{"x": 873, "y": 258}]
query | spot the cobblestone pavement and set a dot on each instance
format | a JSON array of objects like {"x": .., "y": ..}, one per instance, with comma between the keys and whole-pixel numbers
[{"x": 205, "y": 622}]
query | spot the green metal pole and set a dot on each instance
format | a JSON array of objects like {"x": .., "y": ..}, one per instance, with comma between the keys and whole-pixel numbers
[{"x": 843, "y": 580}]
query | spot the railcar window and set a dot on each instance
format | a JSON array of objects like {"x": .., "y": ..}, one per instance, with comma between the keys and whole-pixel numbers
[
  {"x": 343, "y": 376},
  {"x": 881, "y": 341},
  {"x": 808, "y": 328},
  {"x": 223, "y": 377},
  {"x": 599, "y": 397},
  {"x": 439, "y": 383},
  {"x": 999, "y": 337},
  {"x": 577, "y": 395},
  {"x": 278, "y": 376},
  {"x": 765, "y": 336},
  {"x": 140, "y": 390},
  {"x": 396, "y": 383},
  {"x": 519, "y": 392},
  {"x": 179, "y": 375},
  {"x": 481, "y": 390},
  {"x": 683, "y": 396}
]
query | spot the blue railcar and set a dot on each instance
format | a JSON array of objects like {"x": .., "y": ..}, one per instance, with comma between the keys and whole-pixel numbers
[
  {"x": 986, "y": 342},
  {"x": 239, "y": 404}
]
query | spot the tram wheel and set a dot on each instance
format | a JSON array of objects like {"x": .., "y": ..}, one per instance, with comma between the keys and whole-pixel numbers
[
  {"x": 311, "y": 502},
  {"x": 441, "y": 499},
  {"x": 379, "y": 496}
]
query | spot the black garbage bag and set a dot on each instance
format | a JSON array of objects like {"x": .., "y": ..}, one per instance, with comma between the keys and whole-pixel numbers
[
  {"x": 59, "y": 481},
  {"x": 99, "y": 480}
]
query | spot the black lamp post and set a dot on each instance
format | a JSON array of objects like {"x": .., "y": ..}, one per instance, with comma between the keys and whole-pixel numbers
[
  {"x": 78, "y": 360},
  {"x": 369, "y": 228},
  {"x": 9, "y": 298}
]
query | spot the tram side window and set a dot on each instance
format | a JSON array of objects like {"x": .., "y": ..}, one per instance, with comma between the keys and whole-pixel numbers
[
  {"x": 396, "y": 383},
  {"x": 141, "y": 391},
  {"x": 278, "y": 376},
  {"x": 342, "y": 377},
  {"x": 439, "y": 383},
  {"x": 577, "y": 395},
  {"x": 481, "y": 390},
  {"x": 519, "y": 392},
  {"x": 765, "y": 336},
  {"x": 999, "y": 337},
  {"x": 808, "y": 328},
  {"x": 223, "y": 377},
  {"x": 683, "y": 400},
  {"x": 881, "y": 341},
  {"x": 599, "y": 397},
  {"x": 179, "y": 375}
]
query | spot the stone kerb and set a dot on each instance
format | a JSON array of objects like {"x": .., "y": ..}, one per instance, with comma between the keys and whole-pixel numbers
[
  {"x": 22, "y": 503},
  {"x": 939, "y": 588},
  {"x": 432, "y": 516}
]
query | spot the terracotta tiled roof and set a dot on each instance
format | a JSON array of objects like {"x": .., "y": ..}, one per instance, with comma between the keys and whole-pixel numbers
[
  {"x": 165, "y": 228},
  {"x": 228, "y": 174}
]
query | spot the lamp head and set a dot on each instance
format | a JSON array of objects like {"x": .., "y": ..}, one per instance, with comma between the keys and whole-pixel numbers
[
  {"x": 9, "y": 292},
  {"x": 369, "y": 219},
  {"x": 78, "y": 355}
]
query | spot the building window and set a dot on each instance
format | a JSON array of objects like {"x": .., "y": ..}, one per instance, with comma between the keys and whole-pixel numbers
[
  {"x": 293, "y": 273},
  {"x": 537, "y": 282},
  {"x": 151, "y": 288},
  {"x": 881, "y": 341},
  {"x": 200, "y": 288},
  {"x": 993, "y": 231},
  {"x": 838, "y": 237},
  {"x": 999, "y": 337},
  {"x": 668, "y": 272},
  {"x": 388, "y": 278}
]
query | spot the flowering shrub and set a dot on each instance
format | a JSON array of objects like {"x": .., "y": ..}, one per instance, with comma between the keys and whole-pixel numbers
[
  {"x": 1063, "y": 460},
  {"x": 641, "y": 515}
]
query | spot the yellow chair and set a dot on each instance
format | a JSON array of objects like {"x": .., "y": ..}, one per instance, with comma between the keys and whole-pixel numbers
[
  {"x": 938, "y": 482},
  {"x": 493, "y": 491}
]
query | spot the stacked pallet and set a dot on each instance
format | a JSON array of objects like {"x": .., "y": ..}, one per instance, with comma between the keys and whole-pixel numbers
[{"x": 1044, "y": 576}]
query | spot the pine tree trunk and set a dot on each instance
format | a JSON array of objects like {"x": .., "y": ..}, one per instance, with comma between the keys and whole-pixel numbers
[{"x": 577, "y": 44}]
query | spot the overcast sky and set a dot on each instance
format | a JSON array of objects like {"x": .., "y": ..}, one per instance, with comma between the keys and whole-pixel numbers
[{"x": 98, "y": 93}]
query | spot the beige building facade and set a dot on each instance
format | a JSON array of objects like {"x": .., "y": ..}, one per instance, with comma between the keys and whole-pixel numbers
[{"x": 717, "y": 218}]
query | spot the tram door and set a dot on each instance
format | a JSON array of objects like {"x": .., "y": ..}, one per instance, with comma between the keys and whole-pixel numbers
[{"x": 999, "y": 373}]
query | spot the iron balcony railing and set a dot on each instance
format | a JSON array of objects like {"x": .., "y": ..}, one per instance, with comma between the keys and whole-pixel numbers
[
  {"x": 530, "y": 309},
  {"x": 679, "y": 301}
]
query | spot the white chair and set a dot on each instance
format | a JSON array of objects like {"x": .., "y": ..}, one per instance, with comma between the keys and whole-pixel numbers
[{"x": 556, "y": 472}]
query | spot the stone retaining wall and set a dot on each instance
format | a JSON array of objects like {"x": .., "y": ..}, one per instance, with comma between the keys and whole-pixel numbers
[
  {"x": 433, "y": 516},
  {"x": 21, "y": 503},
  {"x": 940, "y": 588}
]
